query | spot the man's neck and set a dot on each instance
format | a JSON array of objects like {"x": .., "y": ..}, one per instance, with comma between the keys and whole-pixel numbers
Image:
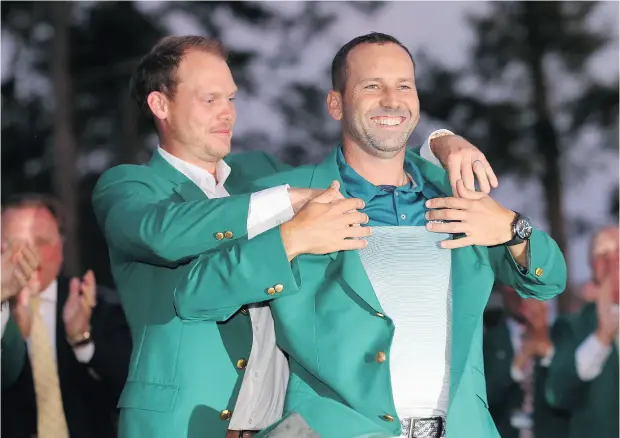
[
  {"x": 185, "y": 154},
  {"x": 376, "y": 170}
]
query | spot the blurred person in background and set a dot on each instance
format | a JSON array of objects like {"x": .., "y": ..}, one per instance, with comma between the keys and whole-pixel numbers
[
  {"x": 19, "y": 263},
  {"x": 583, "y": 375},
  {"x": 76, "y": 336},
  {"x": 517, "y": 351},
  {"x": 222, "y": 375}
]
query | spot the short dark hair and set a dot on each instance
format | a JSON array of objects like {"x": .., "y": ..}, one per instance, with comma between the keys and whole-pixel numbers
[
  {"x": 37, "y": 200},
  {"x": 157, "y": 70},
  {"x": 339, "y": 64}
]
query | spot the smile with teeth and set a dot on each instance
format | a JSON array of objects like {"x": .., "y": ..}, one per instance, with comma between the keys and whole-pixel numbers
[{"x": 388, "y": 121}]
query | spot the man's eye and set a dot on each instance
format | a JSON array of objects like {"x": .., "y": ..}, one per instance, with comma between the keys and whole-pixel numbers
[{"x": 372, "y": 87}]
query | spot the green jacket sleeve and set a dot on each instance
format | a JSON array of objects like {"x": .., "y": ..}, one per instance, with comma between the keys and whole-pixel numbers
[
  {"x": 145, "y": 226},
  {"x": 216, "y": 284},
  {"x": 545, "y": 276},
  {"x": 13, "y": 353},
  {"x": 563, "y": 387}
]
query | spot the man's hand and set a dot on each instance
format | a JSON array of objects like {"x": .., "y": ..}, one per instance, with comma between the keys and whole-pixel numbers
[
  {"x": 326, "y": 224},
  {"x": 482, "y": 220},
  {"x": 20, "y": 305},
  {"x": 300, "y": 197},
  {"x": 606, "y": 311},
  {"x": 19, "y": 261},
  {"x": 79, "y": 306},
  {"x": 462, "y": 160}
]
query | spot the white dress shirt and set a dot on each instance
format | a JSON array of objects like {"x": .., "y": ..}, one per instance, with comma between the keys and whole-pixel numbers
[
  {"x": 261, "y": 396},
  {"x": 47, "y": 310}
]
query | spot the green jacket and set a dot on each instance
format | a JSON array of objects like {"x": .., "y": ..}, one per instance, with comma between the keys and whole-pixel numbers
[
  {"x": 333, "y": 327},
  {"x": 505, "y": 395},
  {"x": 183, "y": 376},
  {"x": 13, "y": 353},
  {"x": 592, "y": 406}
]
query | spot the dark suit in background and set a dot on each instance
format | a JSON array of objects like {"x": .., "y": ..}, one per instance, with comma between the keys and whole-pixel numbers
[
  {"x": 506, "y": 396},
  {"x": 89, "y": 391}
]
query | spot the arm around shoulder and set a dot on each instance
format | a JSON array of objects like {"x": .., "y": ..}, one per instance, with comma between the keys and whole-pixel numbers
[{"x": 545, "y": 275}]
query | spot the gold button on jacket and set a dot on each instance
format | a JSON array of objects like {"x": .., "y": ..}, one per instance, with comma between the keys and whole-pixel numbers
[
  {"x": 538, "y": 272},
  {"x": 381, "y": 357},
  {"x": 271, "y": 291},
  {"x": 388, "y": 417},
  {"x": 279, "y": 288},
  {"x": 228, "y": 234},
  {"x": 225, "y": 414},
  {"x": 242, "y": 363},
  {"x": 219, "y": 235}
]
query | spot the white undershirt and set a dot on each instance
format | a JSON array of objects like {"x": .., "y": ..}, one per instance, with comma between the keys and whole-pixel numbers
[
  {"x": 411, "y": 276},
  {"x": 261, "y": 396}
]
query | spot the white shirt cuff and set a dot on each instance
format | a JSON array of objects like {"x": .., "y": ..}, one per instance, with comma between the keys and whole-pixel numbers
[
  {"x": 5, "y": 314},
  {"x": 269, "y": 208},
  {"x": 548, "y": 358},
  {"x": 590, "y": 358},
  {"x": 516, "y": 374},
  {"x": 427, "y": 153},
  {"x": 84, "y": 353}
]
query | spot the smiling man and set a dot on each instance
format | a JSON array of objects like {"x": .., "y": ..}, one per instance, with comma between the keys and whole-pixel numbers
[{"x": 387, "y": 340}]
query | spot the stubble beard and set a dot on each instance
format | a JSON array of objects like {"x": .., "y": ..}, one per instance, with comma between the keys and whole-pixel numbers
[{"x": 372, "y": 144}]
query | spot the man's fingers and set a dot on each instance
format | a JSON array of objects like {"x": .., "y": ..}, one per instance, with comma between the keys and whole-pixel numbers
[
  {"x": 352, "y": 244},
  {"x": 450, "y": 227},
  {"x": 457, "y": 243},
  {"x": 348, "y": 204},
  {"x": 467, "y": 174},
  {"x": 74, "y": 287},
  {"x": 454, "y": 174},
  {"x": 357, "y": 232},
  {"x": 330, "y": 194},
  {"x": 466, "y": 193},
  {"x": 481, "y": 176},
  {"x": 31, "y": 256},
  {"x": 489, "y": 172},
  {"x": 446, "y": 214},
  {"x": 355, "y": 218},
  {"x": 456, "y": 203},
  {"x": 24, "y": 268}
]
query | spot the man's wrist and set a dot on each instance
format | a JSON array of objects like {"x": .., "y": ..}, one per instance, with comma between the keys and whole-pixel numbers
[
  {"x": 80, "y": 338},
  {"x": 603, "y": 337},
  {"x": 438, "y": 134},
  {"x": 289, "y": 241}
]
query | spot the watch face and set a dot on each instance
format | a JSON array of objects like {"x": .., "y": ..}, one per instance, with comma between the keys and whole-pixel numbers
[{"x": 523, "y": 228}]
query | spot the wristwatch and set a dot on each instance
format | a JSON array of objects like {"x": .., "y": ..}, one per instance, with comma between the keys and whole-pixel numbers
[
  {"x": 521, "y": 230},
  {"x": 78, "y": 341}
]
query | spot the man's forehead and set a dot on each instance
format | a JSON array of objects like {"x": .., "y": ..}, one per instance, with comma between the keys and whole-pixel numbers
[
  {"x": 380, "y": 61},
  {"x": 28, "y": 217}
]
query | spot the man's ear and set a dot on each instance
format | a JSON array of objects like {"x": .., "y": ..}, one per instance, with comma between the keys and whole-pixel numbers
[
  {"x": 334, "y": 104},
  {"x": 158, "y": 103}
]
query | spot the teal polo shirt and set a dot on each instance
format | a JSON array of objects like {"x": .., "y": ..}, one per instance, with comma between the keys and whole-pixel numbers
[{"x": 389, "y": 205}]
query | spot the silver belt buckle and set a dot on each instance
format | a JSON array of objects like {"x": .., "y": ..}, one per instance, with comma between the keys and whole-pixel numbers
[{"x": 428, "y": 427}]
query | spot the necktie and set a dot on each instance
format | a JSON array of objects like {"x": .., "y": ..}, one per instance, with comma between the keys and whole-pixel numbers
[{"x": 51, "y": 422}]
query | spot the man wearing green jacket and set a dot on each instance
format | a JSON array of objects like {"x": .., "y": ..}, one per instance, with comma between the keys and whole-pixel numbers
[
  {"x": 221, "y": 375},
  {"x": 352, "y": 372},
  {"x": 582, "y": 379}
]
